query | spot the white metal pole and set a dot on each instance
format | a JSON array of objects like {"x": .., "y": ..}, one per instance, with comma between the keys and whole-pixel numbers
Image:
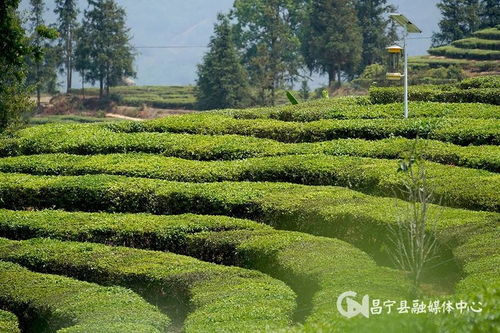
[{"x": 406, "y": 72}]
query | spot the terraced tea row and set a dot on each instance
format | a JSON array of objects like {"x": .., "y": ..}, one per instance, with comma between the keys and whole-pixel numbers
[
  {"x": 217, "y": 298},
  {"x": 334, "y": 212},
  {"x": 77, "y": 139},
  {"x": 455, "y": 130},
  {"x": 75, "y": 306},
  {"x": 8, "y": 322},
  {"x": 452, "y": 186},
  {"x": 358, "y": 108}
]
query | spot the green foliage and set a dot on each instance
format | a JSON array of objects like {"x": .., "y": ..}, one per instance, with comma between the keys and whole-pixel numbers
[
  {"x": 454, "y": 130},
  {"x": 166, "y": 97},
  {"x": 457, "y": 93},
  {"x": 14, "y": 98},
  {"x": 201, "y": 287},
  {"x": 97, "y": 140},
  {"x": 491, "y": 33},
  {"x": 460, "y": 18},
  {"x": 67, "y": 13},
  {"x": 332, "y": 39},
  {"x": 291, "y": 98},
  {"x": 376, "y": 30},
  {"x": 302, "y": 261},
  {"x": 75, "y": 306},
  {"x": 455, "y": 52},
  {"x": 373, "y": 176},
  {"x": 104, "y": 50},
  {"x": 8, "y": 322},
  {"x": 477, "y": 43},
  {"x": 266, "y": 32},
  {"x": 222, "y": 81},
  {"x": 328, "y": 211}
]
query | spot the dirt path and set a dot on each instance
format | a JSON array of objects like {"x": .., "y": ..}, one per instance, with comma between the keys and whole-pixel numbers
[{"x": 119, "y": 116}]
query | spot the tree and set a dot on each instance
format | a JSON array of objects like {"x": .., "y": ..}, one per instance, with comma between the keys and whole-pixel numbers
[
  {"x": 42, "y": 73},
  {"x": 14, "y": 97},
  {"x": 222, "y": 80},
  {"x": 266, "y": 31},
  {"x": 332, "y": 39},
  {"x": 375, "y": 28},
  {"x": 104, "y": 51},
  {"x": 489, "y": 13},
  {"x": 67, "y": 12},
  {"x": 460, "y": 19}
]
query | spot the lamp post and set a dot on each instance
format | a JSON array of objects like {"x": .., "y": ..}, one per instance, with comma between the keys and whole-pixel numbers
[{"x": 408, "y": 27}]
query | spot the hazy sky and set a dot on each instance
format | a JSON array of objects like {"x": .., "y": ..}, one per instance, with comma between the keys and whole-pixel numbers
[{"x": 190, "y": 22}]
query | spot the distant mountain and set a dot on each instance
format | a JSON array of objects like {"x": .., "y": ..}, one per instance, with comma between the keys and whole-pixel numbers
[{"x": 190, "y": 23}]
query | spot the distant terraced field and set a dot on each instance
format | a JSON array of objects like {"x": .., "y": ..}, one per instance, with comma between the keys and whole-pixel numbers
[{"x": 245, "y": 220}]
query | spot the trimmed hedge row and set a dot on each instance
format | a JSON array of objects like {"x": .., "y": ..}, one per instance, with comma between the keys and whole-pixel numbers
[
  {"x": 329, "y": 109},
  {"x": 452, "y": 186},
  {"x": 96, "y": 140},
  {"x": 490, "y": 33},
  {"x": 320, "y": 210},
  {"x": 451, "y": 51},
  {"x": 312, "y": 265},
  {"x": 458, "y": 131},
  {"x": 299, "y": 259},
  {"x": 75, "y": 306},
  {"x": 386, "y": 95},
  {"x": 219, "y": 298},
  {"x": 477, "y": 43},
  {"x": 8, "y": 322},
  {"x": 480, "y": 82}
]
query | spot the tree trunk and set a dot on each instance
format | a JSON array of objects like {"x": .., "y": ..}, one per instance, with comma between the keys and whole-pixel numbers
[
  {"x": 83, "y": 85},
  {"x": 38, "y": 99},
  {"x": 331, "y": 78},
  {"x": 339, "y": 82},
  {"x": 101, "y": 87},
  {"x": 69, "y": 65}
]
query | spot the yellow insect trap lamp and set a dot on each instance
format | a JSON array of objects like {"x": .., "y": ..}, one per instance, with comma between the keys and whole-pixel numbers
[{"x": 395, "y": 52}]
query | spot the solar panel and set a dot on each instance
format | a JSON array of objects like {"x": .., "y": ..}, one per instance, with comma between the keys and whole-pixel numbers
[{"x": 405, "y": 22}]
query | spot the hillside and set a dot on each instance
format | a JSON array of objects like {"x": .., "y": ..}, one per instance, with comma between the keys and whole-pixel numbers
[
  {"x": 249, "y": 220},
  {"x": 478, "y": 54}
]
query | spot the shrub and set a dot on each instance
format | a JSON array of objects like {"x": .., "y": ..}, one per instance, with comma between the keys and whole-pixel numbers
[
  {"x": 96, "y": 140},
  {"x": 75, "y": 306},
  {"x": 457, "y": 187},
  {"x": 458, "y": 131},
  {"x": 303, "y": 261},
  {"x": 8, "y": 322},
  {"x": 256, "y": 301},
  {"x": 455, "y": 52},
  {"x": 433, "y": 94}
]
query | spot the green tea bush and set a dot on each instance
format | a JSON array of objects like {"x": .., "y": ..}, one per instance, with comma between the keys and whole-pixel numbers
[
  {"x": 452, "y": 186},
  {"x": 303, "y": 261},
  {"x": 330, "y": 109},
  {"x": 385, "y": 95},
  {"x": 8, "y": 322},
  {"x": 257, "y": 301},
  {"x": 477, "y": 43},
  {"x": 75, "y": 306},
  {"x": 456, "y": 52},
  {"x": 490, "y": 33},
  {"x": 480, "y": 82},
  {"x": 458, "y": 131},
  {"x": 96, "y": 140}
]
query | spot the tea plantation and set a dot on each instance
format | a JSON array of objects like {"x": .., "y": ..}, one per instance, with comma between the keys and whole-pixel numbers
[{"x": 250, "y": 220}]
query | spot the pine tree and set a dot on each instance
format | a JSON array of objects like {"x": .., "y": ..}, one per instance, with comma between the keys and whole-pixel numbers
[
  {"x": 372, "y": 18},
  {"x": 266, "y": 31},
  {"x": 490, "y": 13},
  {"x": 332, "y": 40},
  {"x": 67, "y": 12},
  {"x": 460, "y": 19},
  {"x": 222, "y": 80},
  {"x": 105, "y": 53},
  {"x": 42, "y": 71}
]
